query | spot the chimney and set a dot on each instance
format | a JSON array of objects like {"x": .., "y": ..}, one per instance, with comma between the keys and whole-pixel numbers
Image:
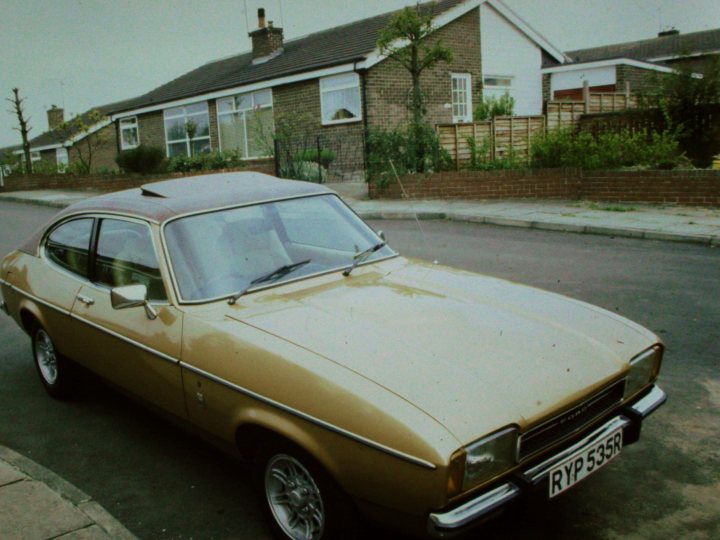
[
  {"x": 670, "y": 32},
  {"x": 267, "y": 41},
  {"x": 56, "y": 116}
]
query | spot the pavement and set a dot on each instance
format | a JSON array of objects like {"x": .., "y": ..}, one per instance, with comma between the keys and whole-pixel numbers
[
  {"x": 36, "y": 504},
  {"x": 670, "y": 223}
]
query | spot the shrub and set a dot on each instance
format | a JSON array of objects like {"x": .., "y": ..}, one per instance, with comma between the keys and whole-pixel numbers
[
  {"x": 490, "y": 107},
  {"x": 206, "y": 161},
  {"x": 325, "y": 158},
  {"x": 402, "y": 151},
  {"x": 609, "y": 150},
  {"x": 143, "y": 159}
]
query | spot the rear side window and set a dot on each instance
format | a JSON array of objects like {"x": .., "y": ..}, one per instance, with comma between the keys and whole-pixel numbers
[
  {"x": 125, "y": 256},
  {"x": 68, "y": 245}
]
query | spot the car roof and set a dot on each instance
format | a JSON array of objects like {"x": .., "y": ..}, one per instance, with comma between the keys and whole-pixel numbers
[{"x": 164, "y": 200}]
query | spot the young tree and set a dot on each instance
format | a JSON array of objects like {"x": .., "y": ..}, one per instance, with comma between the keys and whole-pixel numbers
[
  {"x": 405, "y": 40},
  {"x": 23, "y": 127},
  {"x": 87, "y": 144}
]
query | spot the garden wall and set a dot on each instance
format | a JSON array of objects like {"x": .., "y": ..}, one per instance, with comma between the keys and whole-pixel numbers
[
  {"x": 113, "y": 182},
  {"x": 689, "y": 188}
]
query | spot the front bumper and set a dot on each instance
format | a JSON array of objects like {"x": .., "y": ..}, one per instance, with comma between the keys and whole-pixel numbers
[{"x": 472, "y": 512}]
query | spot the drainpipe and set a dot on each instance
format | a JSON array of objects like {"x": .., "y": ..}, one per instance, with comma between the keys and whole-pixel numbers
[{"x": 363, "y": 83}]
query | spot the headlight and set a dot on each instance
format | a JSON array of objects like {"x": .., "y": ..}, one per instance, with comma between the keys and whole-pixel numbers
[
  {"x": 483, "y": 460},
  {"x": 644, "y": 369}
]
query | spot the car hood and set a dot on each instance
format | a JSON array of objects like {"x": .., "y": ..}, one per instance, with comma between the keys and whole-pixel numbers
[{"x": 475, "y": 353}]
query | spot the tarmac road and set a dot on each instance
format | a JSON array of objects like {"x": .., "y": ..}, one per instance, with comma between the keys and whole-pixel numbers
[{"x": 162, "y": 483}]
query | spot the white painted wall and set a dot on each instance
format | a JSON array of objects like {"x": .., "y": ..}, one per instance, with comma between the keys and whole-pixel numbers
[
  {"x": 567, "y": 80},
  {"x": 507, "y": 51}
]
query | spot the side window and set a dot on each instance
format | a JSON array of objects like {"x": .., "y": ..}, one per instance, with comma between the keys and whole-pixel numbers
[
  {"x": 125, "y": 256},
  {"x": 69, "y": 244}
]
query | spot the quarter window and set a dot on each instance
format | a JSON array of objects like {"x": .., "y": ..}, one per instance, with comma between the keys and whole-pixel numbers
[
  {"x": 125, "y": 256},
  {"x": 129, "y": 133},
  {"x": 187, "y": 130},
  {"x": 246, "y": 123},
  {"x": 340, "y": 98},
  {"x": 69, "y": 244},
  {"x": 461, "y": 97}
]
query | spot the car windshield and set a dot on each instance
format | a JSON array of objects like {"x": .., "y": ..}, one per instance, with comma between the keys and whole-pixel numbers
[{"x": 217, "y": 254}]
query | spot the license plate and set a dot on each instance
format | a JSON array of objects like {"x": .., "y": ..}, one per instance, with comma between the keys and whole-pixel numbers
[{"x": 584, "y": 462}]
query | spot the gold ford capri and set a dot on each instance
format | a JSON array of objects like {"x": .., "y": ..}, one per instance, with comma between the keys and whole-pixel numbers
[{"x": 269, "y": 315}]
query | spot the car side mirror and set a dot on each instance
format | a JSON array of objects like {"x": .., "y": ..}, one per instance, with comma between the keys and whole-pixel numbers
[
  {"x": 381, "y": 234},
  {"x": 130, "y": 296}
]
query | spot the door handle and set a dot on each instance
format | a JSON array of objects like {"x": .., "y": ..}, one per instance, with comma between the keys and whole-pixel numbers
[{"x": 85, "y": 300}]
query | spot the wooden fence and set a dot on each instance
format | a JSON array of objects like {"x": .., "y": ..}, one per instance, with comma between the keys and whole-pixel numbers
[
  {"x": 497, "y": 138},
  {"x": 567, "y": 113}
]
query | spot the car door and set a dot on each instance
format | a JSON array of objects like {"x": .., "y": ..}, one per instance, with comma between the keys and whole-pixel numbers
[
  {"x": 51, "y": 282},
  {"x": 125, "y": 346}
]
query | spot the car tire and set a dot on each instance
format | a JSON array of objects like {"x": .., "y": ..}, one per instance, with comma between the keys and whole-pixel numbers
[
  {"x": 54, "y": 369},
  {"x": 300, "y": 499}
]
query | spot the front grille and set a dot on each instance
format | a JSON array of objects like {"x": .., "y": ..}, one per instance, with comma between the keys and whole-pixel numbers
[{"x": 570, "y": 421}]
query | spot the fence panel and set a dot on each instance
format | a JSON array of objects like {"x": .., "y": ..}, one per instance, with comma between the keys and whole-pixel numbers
[
  {"x": 497, "y": 138},
  {"x": 564, "y": 114},
  {"x": 602, "y": 102}
]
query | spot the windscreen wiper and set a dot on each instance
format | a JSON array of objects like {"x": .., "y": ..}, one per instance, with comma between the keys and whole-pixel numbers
[
  {"x": 362, "y": 256},
  {"x": 284, "y": 270}
]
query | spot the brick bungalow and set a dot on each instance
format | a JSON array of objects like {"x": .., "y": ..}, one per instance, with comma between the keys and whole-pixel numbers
[
  {"x": 59, "y": 148},
  {"x": 612, "y": 68},
  {"x": 341, "y": 82}
]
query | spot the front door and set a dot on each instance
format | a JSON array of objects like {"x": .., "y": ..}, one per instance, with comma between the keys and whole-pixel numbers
[{"x": 124, "y": 345}]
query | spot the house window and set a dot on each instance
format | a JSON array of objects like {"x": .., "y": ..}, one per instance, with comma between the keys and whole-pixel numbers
[
  {"x": 129, "y": 133},
  {"x": 245, "y": 122},
  {"x": 340, "y": 98},
  {"x": 187, "y": 130},
  {"x": 497, "y": 81},
  {"x": 461, "y": 98},
  {"x": 61, "y": 158}
]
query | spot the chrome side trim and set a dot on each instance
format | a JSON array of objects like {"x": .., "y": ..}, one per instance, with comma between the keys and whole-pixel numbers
[
  {"x": 137, "y": 344},
  {"x": 311, "y": 419},
  {"x": 36, "y": 299},
  {"x": 473, "y": 509},
  {"x": 540, "y": 471},
  {"x": 645, "y": 406}
]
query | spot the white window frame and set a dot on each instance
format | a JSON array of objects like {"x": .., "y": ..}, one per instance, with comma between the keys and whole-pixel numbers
[
  {"x": 243, "y": 113},
  {"x": 127, "y": 124},
  {"x": 467, "y": 79},
  {"x": 499, "y": 86},
  {"x": 62, "y": 159},
  {"x": 184, "y": 114},
  {"x": 355, "y": 84}
]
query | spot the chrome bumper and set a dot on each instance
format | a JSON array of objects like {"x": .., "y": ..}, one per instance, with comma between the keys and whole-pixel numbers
[{"x": 459, "y": 519}]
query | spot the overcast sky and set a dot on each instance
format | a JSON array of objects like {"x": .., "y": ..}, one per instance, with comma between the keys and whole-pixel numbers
[{"x": 83, "y": 53}]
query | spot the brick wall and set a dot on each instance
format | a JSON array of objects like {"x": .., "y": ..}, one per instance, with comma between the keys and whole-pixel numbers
[
  {"x": 152, "y": 129},
  {"x": 690, "y": 188},
  {"x": 510, "y": 184},
  {"x": 546, "y": 77},
  {"x": 105, "y": 145},
  {"x": 299, "y": 104},
  {"x": 640, "y": 79},
  {"x": 388, "y": 84},
  {"x": 113, "y": 182}
]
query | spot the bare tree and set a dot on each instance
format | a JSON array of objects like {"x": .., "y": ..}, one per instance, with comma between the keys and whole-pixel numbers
[{"x": 23, "y": 126}]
